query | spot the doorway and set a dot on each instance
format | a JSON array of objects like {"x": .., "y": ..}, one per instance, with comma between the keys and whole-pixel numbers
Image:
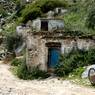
[
  {"x": 44, "y": 25},
  {"x": 54, "y": 50}
]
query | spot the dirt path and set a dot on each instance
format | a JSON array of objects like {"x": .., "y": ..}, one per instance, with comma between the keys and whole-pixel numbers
[{"x": 10, "y": 85}]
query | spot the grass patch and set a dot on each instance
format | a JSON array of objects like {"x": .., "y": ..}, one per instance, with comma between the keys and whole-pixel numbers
[
  {"x": 16, "y": 62},
  {"x": 75, "y": 77}
]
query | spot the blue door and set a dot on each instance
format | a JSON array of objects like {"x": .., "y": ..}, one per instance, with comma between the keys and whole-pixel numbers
[{"x": 54, "y": 54}]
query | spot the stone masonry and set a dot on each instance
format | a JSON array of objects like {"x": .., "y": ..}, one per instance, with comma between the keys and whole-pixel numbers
[{"x": 37, "y": 51}]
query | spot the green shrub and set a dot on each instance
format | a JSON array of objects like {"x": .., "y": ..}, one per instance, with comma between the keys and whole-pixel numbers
[
  {"x": 20, "y": 70},
  {"x": 90, "y": 22},
  {"x": 2, "y": 11},
  {"x": 16, "y": 62},
  {"x": 39, "y": 74},
  {"x": 78, "y": 72},
  {"x": 34, "y": 10},
  {"x": 74, "y": 60},
  {"x": 13, "y": 41},
  {"x": 35, "y": 73},
  {"x": 33, "y": 14},
  {"x": 47, "y": 5},
  {"x": 10, "y": 39}
]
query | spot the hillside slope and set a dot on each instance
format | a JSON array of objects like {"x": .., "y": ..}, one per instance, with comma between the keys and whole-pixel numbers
[{"x": 80, "y": 17}]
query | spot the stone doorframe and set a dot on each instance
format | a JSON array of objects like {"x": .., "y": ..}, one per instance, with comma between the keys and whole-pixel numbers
[{"x": 52, "y": 45}]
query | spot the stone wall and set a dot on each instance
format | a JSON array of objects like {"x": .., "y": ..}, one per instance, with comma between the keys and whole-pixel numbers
[
  {"x": 37, "y": 51},
  {"x": 53, "y": 24}
]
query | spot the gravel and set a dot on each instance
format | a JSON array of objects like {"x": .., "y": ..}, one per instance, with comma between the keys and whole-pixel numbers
[{"x": 11, "y": 85}]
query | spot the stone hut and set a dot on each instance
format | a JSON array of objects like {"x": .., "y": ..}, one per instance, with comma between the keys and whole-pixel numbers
[
  {"x": 47, "y": 24},
  {"x": 46, "y": 41},
  {"x": 60, "y": 11}
]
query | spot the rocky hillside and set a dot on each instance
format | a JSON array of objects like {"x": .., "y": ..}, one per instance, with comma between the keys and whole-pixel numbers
[
  {"x": 80, "y": 16},
  {"x": 7, "y": 7}
]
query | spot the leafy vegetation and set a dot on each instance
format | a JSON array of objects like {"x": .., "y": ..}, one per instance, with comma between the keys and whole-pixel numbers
[
  {"x": 80, "y": 18},
  {"x": 16, "y": 62},
  {"x": 77, "y": 72},
  {"x": 74, "y": 60},
  {"x": 24, "y": 73},
  {"x": 91, "y": 19},
  {"x": 2, "y": 12},
  {"x": 20, "y": 69},
  {"x": 13, "y": 41},
  {"x": 33, "y": 14},
  {"x": 6, "y": 7},
  {"x": 75, "y": 77},
  {"x": 34, "y": 10}
]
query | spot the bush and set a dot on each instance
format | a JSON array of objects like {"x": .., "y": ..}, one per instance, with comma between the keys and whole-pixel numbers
[
  {"x": 47, "y": 5},
  {"x": 16, "y": 62},
  {"x": 22, "y": 71},
  {"x": 13, "y": 41},
  {"x": 39, "y": 74},
  {"x": 35, "y": 73},
  {"x": 34, "y": 10},
  {"x": 74, "y": 60},
  {"x": 90, "y": 22},
  {"x": 33, "y": 14},
  {"x": 78, "y": 72}
]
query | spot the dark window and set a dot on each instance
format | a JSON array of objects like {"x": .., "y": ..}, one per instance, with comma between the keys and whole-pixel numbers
[
  {"x": 44, "y": 25},
  {"x": 59, "y": 10}
]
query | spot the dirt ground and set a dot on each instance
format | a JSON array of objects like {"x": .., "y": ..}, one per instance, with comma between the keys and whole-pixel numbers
[{"x": 10, "y": 85}]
